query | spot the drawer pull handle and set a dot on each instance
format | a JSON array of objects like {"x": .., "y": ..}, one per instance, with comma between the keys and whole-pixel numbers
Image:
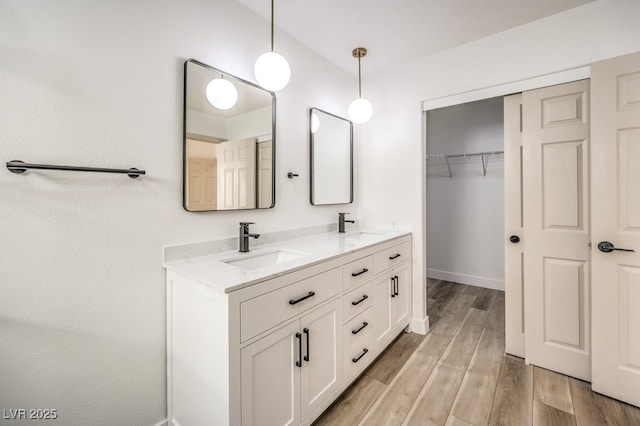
[
  {"x": 355, "y": 274},
  {"x": 294, "y": 301},
  {"x": 359, "y": 301},
  {"x": 364, "y": 352},
  {"x": 395, "y": 256},
  {"x": 359, "y": 329},
  {"x": 393, "y": 286},
  {"x": 306, "y": 331},
  {"x": 299, "y": 361}
]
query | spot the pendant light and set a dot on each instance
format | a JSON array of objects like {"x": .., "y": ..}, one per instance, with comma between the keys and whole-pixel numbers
[
  {"x": 221, "y": 93},
  {"x": 360, "y": 110},
  {"x": 272, "y": 69}
]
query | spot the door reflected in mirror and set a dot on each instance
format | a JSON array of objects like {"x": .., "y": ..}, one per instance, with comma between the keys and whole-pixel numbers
[
  {"x": 229, "y": 141},
  {"x": 331, "y": 158}
]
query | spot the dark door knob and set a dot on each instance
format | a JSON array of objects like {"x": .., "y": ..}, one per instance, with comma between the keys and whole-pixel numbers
[
  {"x": 607, "y": 247},
  {"x": 514, "y": 239}
]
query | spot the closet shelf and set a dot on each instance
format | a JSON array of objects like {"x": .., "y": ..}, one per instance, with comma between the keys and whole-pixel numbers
[{"x": 484, "y": 155}]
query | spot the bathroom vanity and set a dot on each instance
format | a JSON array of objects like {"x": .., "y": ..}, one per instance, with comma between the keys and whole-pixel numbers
[{"x": 275, "y": 335}]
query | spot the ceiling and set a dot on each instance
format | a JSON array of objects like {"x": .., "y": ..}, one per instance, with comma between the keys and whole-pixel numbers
[{"x": 397, "y": 31}]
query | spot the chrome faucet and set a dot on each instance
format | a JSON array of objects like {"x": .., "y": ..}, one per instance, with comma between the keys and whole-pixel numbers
[
  {"x": 341, "y": 221},
  {"x": 244, "y": 236}
]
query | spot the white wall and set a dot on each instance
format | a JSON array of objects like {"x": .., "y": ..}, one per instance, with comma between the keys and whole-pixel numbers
[
  {"x": 465, "y": 212},
  {"x": 392, "y": 177},
  {"x": 98, "y": 83}
]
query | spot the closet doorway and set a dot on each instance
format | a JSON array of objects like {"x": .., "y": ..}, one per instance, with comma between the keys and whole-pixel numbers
[{"x": 465, "y": 193}]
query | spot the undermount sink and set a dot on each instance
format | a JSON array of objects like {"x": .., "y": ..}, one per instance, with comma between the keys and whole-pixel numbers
[{"x": 263, "y": 259}]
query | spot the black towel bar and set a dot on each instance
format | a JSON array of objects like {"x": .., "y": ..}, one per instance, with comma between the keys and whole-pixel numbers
[{"x": 17, "y": 166}]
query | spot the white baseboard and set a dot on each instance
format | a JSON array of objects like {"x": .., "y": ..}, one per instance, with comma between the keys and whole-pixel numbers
[
  {"x": 420, "y": 326},
  {"x": 163, "y": 423},
  {"x": 466, "y": 279}
]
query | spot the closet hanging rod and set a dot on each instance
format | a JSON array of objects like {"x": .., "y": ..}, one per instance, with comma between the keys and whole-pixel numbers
[{"x": 17, "y": 166}]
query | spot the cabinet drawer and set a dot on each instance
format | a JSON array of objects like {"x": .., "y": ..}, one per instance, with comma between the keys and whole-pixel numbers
[
  {"x": 391, "y": 256},
  {"x": 270, "y": 309},
  {"x": 357, "y": 300},
  {"x": 358, "y": 342},
  {"x": 356, "y": 272}
]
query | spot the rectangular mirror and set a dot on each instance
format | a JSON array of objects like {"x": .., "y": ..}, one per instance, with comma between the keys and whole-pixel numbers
[
  {"x": 331, "y": 158},
  {"x": 229, "y": 141}
]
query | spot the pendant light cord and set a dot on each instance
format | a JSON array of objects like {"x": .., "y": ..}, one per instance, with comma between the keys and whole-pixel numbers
[{"x": 272, "y": 25}]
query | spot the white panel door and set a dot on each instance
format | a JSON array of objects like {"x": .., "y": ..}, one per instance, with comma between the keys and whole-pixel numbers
[
  {"x": 271, "y": 378},
  {"x": 615, "y": 168},
  {"x": 556, "y": 217},
  {"x": 321, "y": 356},
  {"x": 237, "y": 174},
  {"x": 514, "y": 227}
]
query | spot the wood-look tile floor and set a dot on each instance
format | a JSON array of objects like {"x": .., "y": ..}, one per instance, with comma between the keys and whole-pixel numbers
[{"x": 458, "y": 374}]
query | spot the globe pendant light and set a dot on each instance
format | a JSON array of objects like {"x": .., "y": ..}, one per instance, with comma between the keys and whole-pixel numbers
[
  {"x": 272, "y": 69},
  {"x": 221, "y": 93},
  {"x": 360, "y": 110}
]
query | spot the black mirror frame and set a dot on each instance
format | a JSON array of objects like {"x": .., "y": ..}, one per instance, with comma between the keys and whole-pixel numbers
[
  {"x": 184, "y": 135},
  {"x": 311, "y": 168}
]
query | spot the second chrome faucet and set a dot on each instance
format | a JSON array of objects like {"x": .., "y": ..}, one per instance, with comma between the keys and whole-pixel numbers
[{"x": 244, "y": 237}]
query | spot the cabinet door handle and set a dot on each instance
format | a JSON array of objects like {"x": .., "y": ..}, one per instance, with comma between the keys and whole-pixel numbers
[
  {"x": 359, "y": 301},
  {"x": 364, "y": 352},
  {"x": 299, "y": 361},
  {"x": 294, "y": 301},
  {"x": 397, "y": 286},
  {"x": 359, "y": 329},
  {"x": 393, "y": 287},
  {"x": 306, "y": 331},
  {"x": 395, "y": 256},
  {"x": 355, "y": 274}
]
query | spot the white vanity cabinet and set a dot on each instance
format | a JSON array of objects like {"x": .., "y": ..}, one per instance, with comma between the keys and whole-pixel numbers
[
  {"x": 290, "y": 371},
  {"x": 279, "y": 350}
]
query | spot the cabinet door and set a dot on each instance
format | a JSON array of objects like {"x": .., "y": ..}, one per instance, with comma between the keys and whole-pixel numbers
[
  {"x": 271, "y": 379},
  {"x": 321, "y": 356},
  {"x": 400, "y": 303},
  {"x": 382, "y": 308}
]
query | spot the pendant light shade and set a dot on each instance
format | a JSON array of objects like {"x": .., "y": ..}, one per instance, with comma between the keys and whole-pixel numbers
[
  {"x": 360, "y": 110},
  {"x": 271, "y": 69},
  {"x": 221, "y": 93}
]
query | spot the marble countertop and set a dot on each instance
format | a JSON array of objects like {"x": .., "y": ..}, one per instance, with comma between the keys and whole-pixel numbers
[{"x": 217, "y": 271}]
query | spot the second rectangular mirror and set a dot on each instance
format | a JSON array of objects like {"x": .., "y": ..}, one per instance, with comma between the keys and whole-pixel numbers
[
  {"x": 229, "y": 141},
  {"x": 331, "y": 158}
]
